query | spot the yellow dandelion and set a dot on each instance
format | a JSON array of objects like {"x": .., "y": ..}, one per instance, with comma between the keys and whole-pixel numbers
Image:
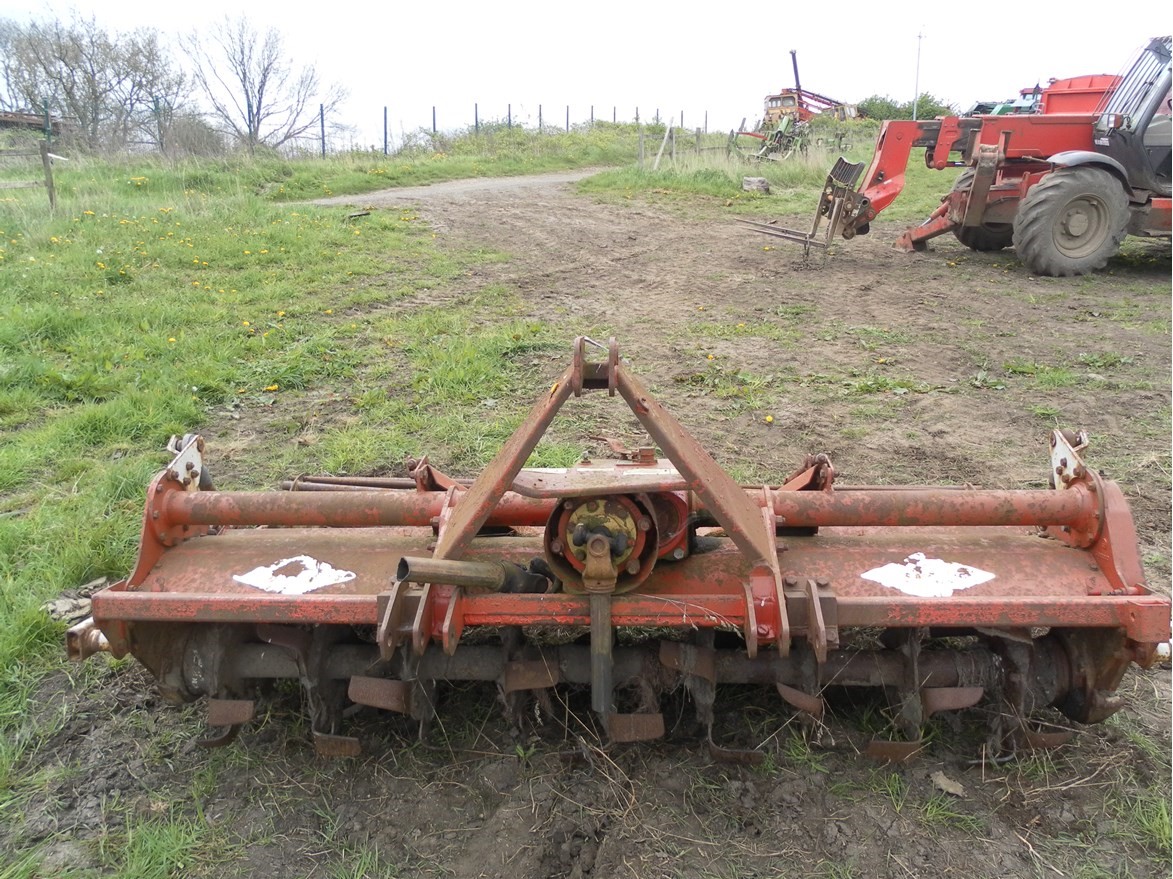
[
  {"x": 244, "y": 323},
  {"x": 769, "y": 419},
  {"x": 271, "y": 387},
  {"x": 171, "y": 339}
]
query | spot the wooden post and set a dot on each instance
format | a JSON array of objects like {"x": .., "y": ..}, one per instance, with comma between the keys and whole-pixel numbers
[
  {"x": 48, "y": 163},
  {"x": 614, "y": 114},
  {"x": 476, "y": 118},
  {"x": 592, "y": 115},
  {"x": 433, "y": 118},
  {"x": 509, "y": 116},
  {"x": 568, "y": 117},
  {"x": 539, "y": 117},
  {"x": 706, "y": 121},
  {"x": 637, "y": 115},
  {"x": 385, "y": 131},
  {"x": 322, "y": 123}
]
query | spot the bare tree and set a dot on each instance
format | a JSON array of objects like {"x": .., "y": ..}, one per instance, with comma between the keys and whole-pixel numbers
[
  {"x": 108, "y": 86},
  {"x": 259, "y": 96},
  {"x": 9, "y": 32},
  {"x": 151, "y": 92}
]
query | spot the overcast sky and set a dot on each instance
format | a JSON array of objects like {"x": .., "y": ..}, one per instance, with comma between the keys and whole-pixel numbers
[{"x": 719, "y": 58}]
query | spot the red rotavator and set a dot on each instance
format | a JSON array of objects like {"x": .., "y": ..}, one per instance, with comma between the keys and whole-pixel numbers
[{"x": 367, "y": 590}]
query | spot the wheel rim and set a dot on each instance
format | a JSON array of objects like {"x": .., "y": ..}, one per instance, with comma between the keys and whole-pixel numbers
[{"x": 1081, "y": 226}]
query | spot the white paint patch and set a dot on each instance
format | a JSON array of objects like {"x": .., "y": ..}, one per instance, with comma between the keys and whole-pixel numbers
[
  {"x": 294, "y": 576},
  {"x": 927, "y": 578}
]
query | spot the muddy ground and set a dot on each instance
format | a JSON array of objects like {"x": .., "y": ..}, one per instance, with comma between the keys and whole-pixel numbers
[{"x": 947, "y": 367}]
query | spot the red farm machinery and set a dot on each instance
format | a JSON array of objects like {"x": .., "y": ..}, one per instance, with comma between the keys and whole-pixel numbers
[
  {"x": 635, "y": 578},
  {"x": 1063, "y": 186},
  {"x": 784, "y": 129}
]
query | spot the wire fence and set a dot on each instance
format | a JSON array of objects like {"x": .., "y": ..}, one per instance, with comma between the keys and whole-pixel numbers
[
  {"x": 543, "y": 118},
  {"x": 327, "y": 133}
]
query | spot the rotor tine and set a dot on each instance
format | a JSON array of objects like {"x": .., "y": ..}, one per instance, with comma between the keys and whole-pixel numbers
[
  {"x": 740, "y": 756},
  {"x": 813, "y": 706},
  {"x": 227, "y": 738},
  {"x": 229, "y": 715}
]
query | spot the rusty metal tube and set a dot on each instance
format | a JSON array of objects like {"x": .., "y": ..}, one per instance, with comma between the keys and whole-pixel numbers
[
  {"x": 487, "y": 576},
  {"x": 343, "y": 509},
  {"x": 940, "y": 507},
  {"x": 972, "y": 666},
  {"x": 933, "y": 507}
]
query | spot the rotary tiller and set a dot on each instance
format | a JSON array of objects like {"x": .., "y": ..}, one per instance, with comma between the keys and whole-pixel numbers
[{"x": 373, "y": 591}]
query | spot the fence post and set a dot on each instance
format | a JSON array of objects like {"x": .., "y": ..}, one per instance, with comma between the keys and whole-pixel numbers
[
  {"x": 509, "y": 116},
  {"x": 539, "y": 118},
  {"x": 706, "y": 121},
  {"x": 637, "y": 115},
  {"x": 322, "y": 124},
  {"x": 433, "y": 118},
  {"x": 476, "y": 118},
  {"x": 568, "y": 117},
  {"x": 48, "y": 163},
  {"x": 614, "y": 114},
  {"x": 592, "y": 115},
  {"x": 682, "y": 119},
  {"x": 385, "y": 131},
  {"x": 48, "y": 124}
]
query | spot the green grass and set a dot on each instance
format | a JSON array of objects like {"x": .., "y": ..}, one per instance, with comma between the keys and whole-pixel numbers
[
  {"x": 743, "y": 390},
  {"x": 940, "y": 811},
  {"x": 158, "y": 848}
]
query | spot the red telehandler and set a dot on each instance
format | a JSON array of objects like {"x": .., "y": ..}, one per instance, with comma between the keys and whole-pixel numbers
[{"x": 1062, "y": 188}]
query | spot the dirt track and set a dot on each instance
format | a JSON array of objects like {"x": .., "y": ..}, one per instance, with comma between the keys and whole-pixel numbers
[{"x": 893, "y": 364}]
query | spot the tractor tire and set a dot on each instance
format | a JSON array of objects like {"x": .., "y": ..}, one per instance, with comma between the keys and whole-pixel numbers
[
  {"x": 986, "y": 238},
  {"x": 1071, "y": 222}
]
